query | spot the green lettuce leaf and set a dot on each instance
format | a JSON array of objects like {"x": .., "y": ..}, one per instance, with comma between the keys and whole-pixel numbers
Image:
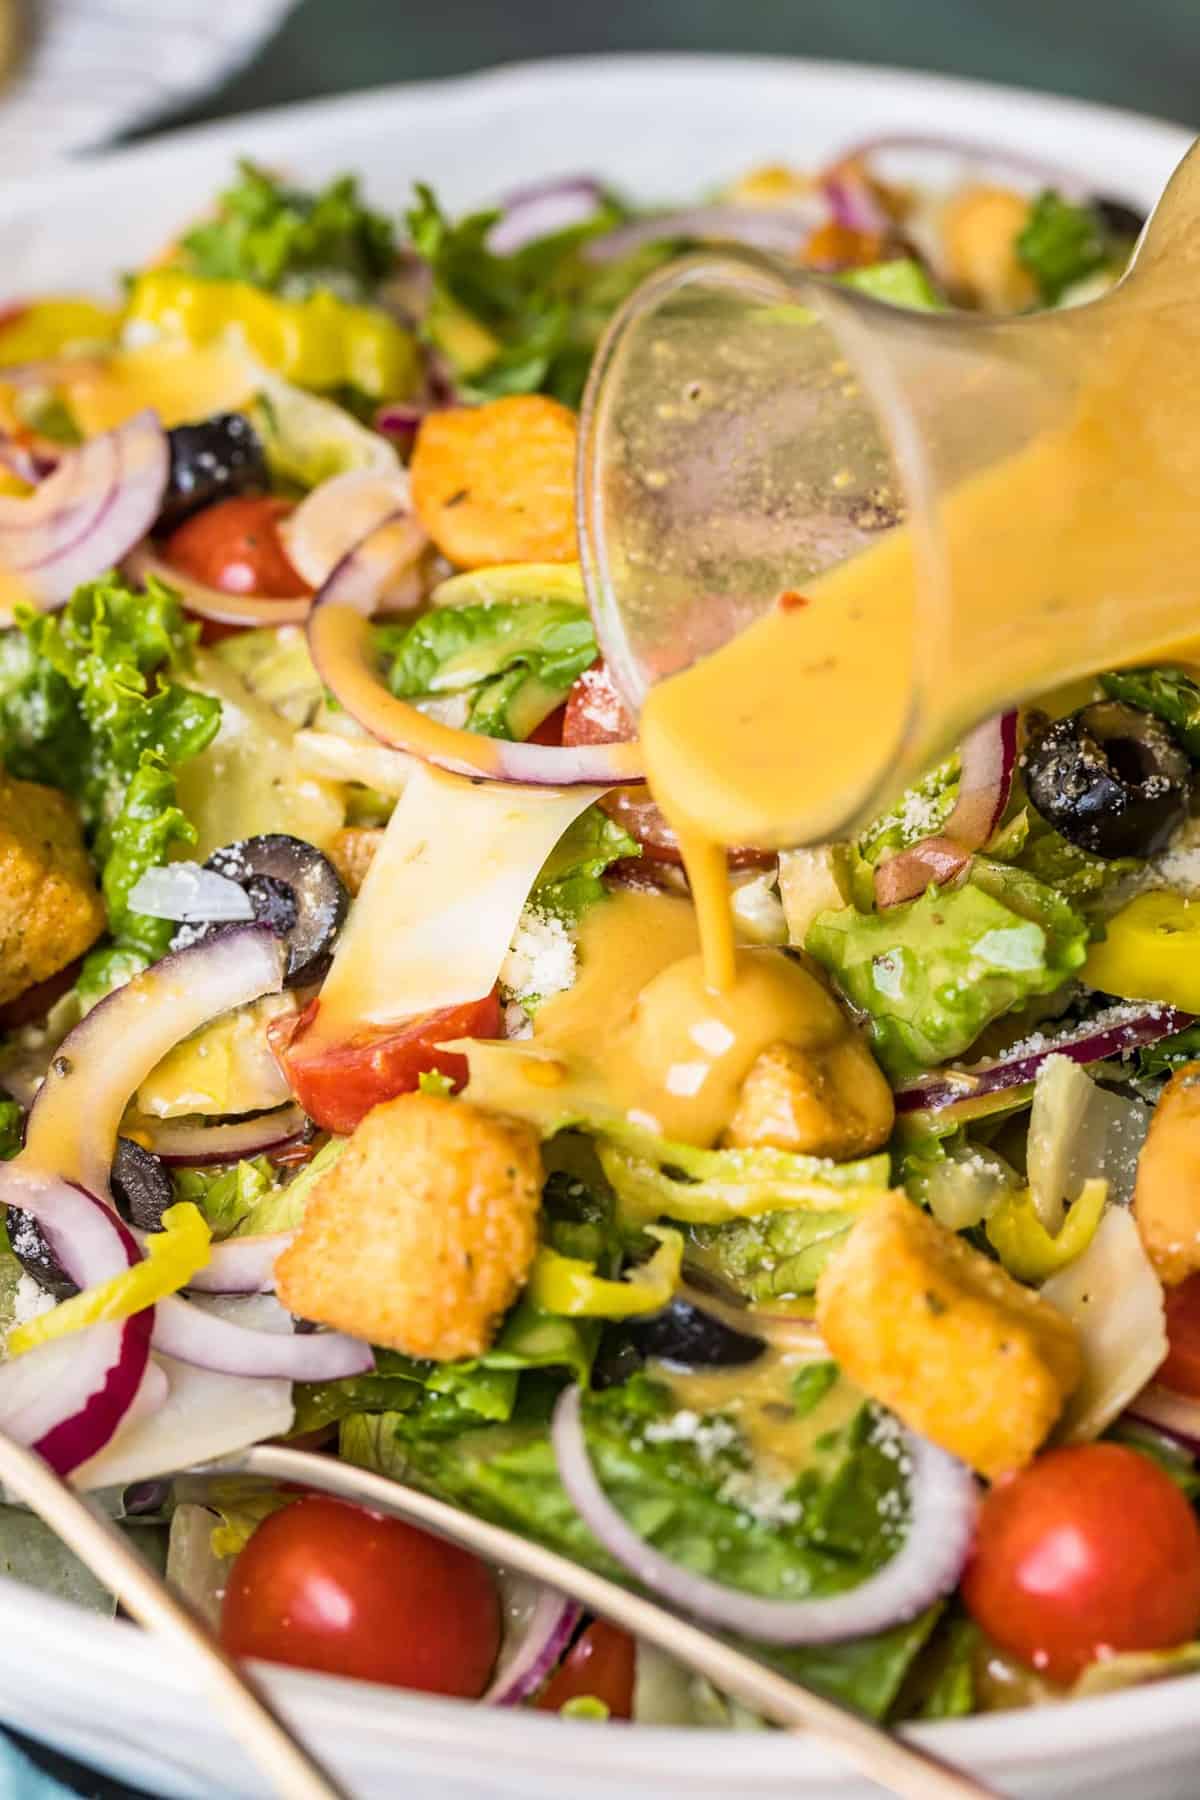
[
  {"x": 1061, "y": 243},
  {"x": 930, "y": 975},
  {"x": 776, "y": 1256},
  {"x": 87, "y": 704},
  {"x": 832, "y": 1534},
  {"x": 292, "y": 242},
  {"x": 250, "y": 1199},
  {"x": 1169, "y": 1053},
  {"x": 516, "y": 661},
  {"x": 654, "y": 1179},
  {"x": 11, "y": 1127},
  {"x": 569, "y": 881},
  {"x": 920, "y": 812},
  {"x": 901, "y": 281},
  {"x": 1169, "y": 694}
]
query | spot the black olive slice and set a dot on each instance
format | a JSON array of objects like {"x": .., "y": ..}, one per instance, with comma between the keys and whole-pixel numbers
[
  {"x": 293, "y": 889},
  {"x": 142, "y": 1190},
  {"x": 1111, "y": 779},
  {"x": 685, "y": 1333},
  {"x": 211, "y": 461}
]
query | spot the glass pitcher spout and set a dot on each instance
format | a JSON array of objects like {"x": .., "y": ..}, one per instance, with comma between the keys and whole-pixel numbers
[{"x": 823, "y": 535}]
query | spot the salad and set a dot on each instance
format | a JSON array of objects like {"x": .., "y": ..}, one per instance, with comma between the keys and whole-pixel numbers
[{"x": 337, "y": 929}]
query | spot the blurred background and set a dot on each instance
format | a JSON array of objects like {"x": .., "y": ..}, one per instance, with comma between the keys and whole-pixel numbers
[{"x": 1143, "y": 56}]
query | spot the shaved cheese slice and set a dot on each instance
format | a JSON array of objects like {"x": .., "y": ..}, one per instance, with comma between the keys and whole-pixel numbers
[
  {"x": 1115, "y": 1301},
  {"x": 440, "y": 904},
  {"x": 204, "y": 1414}
]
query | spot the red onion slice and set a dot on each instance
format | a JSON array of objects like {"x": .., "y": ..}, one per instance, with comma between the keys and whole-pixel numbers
[
  {"x": 1024, "y": 168},
  {"x": 1131, "y": 1025},
  {"x": 906, "y": 875},
  {"x": 1177, "y": 1416},
  {"x": 540, "y": 1624},
  {"x": 344, "y": 510},
  {"x": 85, "y": 517},
  {"x": 340, "y": 644},
  {"x": 73, "y": 1123},
  {"x": 988, "y": 762},
  {"x": 546, "y": 207},
  {"x": 942, "y": 1503},
  {"x": 242, "y": 1265},
  {"x": 188, "y": 1145},
  {"x": 782, "y": 230},
  {"x": 852, "y": 201},
  {"x": 209, "y": 1342},
  {"x": 203, "y": 602}
]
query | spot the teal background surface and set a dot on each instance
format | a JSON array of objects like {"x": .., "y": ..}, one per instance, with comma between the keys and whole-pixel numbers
[{"x": 1145, "y": 55}]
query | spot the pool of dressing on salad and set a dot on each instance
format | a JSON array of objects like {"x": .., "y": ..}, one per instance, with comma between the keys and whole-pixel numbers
[{"x": 1080, "y": 552}]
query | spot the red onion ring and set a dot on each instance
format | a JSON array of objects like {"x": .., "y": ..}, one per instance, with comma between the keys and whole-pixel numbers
[
  {"x": 988, "y": 762},
  {"x": 1030, "y": 168},
  {"x": 942, "y": 1507},
  {"x": 1177, "y": 1416},
  {"x": 204, "y": 602},
  {"x": 532, "y": 1649},
  {"x": 852, "y": 202},
  {"x": 1113, "y": 1033},
  {"x": 183, "y": 1145},
  {"x": 542, "y": 209},
  {"x": 782, "y": 231},
  {"x": 85, "y": 517},
  {"x": 338, "y": 514},
  {"x": 209, "y": 1342},
  {"x": 340, "y": 645},
  {"x": 243, "y": 1265}
]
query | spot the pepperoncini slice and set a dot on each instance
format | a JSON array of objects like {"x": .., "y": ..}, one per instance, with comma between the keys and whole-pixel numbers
[{"x": 570, "y": 1286}]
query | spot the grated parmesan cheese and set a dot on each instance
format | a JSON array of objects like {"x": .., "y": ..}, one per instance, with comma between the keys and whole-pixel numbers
[
  {"x": 30, "y": 1300},
  {"x": 540, "y": 961}
]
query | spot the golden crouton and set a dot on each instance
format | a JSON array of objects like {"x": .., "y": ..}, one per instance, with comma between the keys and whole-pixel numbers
[
  {"x": 1166, "y": 1198},
  {"x": 832, "y": 1101},
  {"x": 980, "y": 227},
  {"x": 421, "y": 1234},
  {"x": 944, "y": 1337},
  {"x": 352, "y": 852},
  {"x": 50, "y": 910}
]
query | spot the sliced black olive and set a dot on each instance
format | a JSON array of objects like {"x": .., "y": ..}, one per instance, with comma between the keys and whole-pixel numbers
[
  {"x": 1110, "y": 778},
  {"x": 684, "y": 1333},
  {"x": 142, "y": 1190},
  {"x": 1121, "y": 220},
  {"x": 293, "y": 889},
  {"x": 214, "y": 460}
]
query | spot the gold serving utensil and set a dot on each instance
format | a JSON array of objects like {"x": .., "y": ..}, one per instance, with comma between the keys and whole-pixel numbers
[
  {"x": 240, "y": 1701},
  {"x": 893, "y": 1762}
]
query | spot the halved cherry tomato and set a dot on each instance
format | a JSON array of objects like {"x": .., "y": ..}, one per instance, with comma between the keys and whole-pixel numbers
[
  {"x": 329, "y": 1586},
  {"x": 1088, "y": 1551},
  {"x": 1181, "y": 1370},
  {"x": 235, "y": 545},
  {"x": 601, "y": 1665},
  {"x": 550, "y": 731},
  {"x": 338, "y": 1084}
]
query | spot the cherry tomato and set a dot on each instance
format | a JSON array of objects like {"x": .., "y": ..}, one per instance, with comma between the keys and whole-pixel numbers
[
  {"x": 338, "y": 1084},
  {"x": 329, "y": 1586},
  {"x": 1181, "y": 1370},
  {"x": 1090, "y": 1550},
  {"x": 550, "y": 731},
  {"x": 235, "y": 545},
  {"x": 600, "y": 1664}
]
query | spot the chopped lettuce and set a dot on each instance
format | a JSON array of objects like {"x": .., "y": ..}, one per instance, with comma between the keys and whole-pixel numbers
[
  {"x": 828, "y": 1533},
  {"x": 569, "y": 881},
  {"x": 920, "y": 812},
  {"x": 901, "y": 281},
  {"x": 513, "y": 662},
  {"x": 775, "y": 1256},
  {"x": 930, "y": 975},
  {"x": 1061, "y": 243},
  {"x": 1169, "y": 694},
  {"x": 292, "y": 243},
  {"x": 1169, "y": 1054},
  {"x": 11, "y": 1127},
  {"x": 530, "y": 321},
  {"x": 88, "y": 703},
  {"x": 249, "y": 1199},
  {"x": 1083, "y": 879}
]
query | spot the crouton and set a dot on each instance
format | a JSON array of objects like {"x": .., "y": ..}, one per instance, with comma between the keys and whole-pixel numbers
[
  {"x": 50, "y": 909},
  {"x": 421, "y": 1234},
  {"x": 1166, "y": 1195},
  {"x": 832, "y": 1101},
  {"x": 980, "y": 226},
  {"x": 944, "y": 1337},
  {"x": 496, "y": 483},
  {"x": 352, "y": 852}
]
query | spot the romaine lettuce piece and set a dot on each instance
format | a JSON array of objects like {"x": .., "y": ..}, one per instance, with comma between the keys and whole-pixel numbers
[
  {"x": 569, "y": 881},
  {"x": 1169, "y": 694},
  {"x": 514, "y": 661},
  {"x": 930, "y": 975},
  {"x": 1061, "y": 243},
  {"x": 777, "y": 1256}
]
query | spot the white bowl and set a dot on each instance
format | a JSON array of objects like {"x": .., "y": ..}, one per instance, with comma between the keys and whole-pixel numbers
[{"x": 663, "y": 127}]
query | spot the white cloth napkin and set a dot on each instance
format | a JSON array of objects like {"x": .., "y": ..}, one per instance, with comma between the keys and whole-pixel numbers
[{"x": 94, "y": 68}]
